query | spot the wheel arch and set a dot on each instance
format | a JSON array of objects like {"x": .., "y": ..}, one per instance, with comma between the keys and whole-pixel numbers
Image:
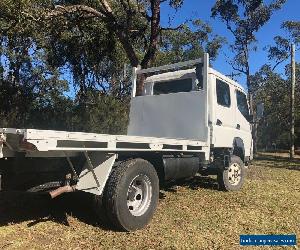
[{"x": 153, "y": 158}]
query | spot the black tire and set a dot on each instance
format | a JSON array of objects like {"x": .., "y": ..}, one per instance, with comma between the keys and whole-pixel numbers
[
  {"x": 226, "y": 183},
  {"x": 116, "y": 194}
]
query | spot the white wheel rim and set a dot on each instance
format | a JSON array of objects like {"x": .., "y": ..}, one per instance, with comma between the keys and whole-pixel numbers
[
  {"x": 234, "y": 174},
  {"x": 139, "y": 195}
]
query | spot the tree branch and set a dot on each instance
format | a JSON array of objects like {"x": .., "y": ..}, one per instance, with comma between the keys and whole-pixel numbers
[
  {"x": 238, "y": 69},
  {"x": 175, "y": 28},
  {"x": 279, "y": 62},
  {"x": 106, "y": 14},
  {"x": 30, "y": 16},
  {"x": 107, "y": 7},
  {"x": 61, "y": 10},
  {"x": 121, "y": 34}
]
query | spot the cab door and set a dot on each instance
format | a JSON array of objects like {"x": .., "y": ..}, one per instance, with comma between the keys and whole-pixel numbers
[
  {"x": 242, "y": 121},
  {"x": 224, "y": 124}
]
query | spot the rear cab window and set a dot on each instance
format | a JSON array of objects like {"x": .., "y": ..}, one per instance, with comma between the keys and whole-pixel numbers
[
  {"x": 173, "y": 86},
  {"x": 175, "y": 82}
]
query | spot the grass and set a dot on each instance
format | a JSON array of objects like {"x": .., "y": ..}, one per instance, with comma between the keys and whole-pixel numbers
[{"x": 191, "y": 215}]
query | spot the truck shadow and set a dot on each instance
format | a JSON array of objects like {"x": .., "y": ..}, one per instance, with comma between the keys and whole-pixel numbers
[
  {"x": 35, "y": 208},
  {"x": 193, "y": 183}
]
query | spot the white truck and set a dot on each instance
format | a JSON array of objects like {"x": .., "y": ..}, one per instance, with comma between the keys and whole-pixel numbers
[{"x": 190, "y": 119}]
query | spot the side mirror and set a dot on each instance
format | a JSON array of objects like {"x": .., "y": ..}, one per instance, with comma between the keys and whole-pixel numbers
[{"x": 260, "y": 108}]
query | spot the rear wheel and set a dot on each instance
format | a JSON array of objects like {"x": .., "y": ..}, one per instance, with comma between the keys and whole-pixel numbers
[
  {"x": 131, "y": 194},
  {"x": 233, "y": 178}
]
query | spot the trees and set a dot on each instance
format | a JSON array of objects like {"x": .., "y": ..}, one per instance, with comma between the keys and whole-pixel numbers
[
  {"x": 188, "y": 42},
  {"x": 135, "y": 25},
  {"x": 26, "y": 80},
  {"x": 45, "y": 42},
  {"x": 273, "y": 89},
  {"x": 243, "y": 18},
  {"x": 48, "y": 48},
  {"x": 278, "y": 53}
]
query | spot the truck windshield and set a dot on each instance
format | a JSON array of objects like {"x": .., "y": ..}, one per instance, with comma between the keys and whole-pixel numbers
[
  {"x": 242, "y": 104},
  {"x": 173, "y": 86}
]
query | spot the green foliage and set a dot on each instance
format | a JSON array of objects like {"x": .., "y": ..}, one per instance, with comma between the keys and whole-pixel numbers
[
  {"x": 176, "y": 3},
  {"x": 280, "y": 51},
  {"x": 27, "y": 82},
  {"x": 102, "y": 114},
  {"x": 96, "y": 54},
  {"x": 42, "y": 45},
  {"x": 293, "y": 28},
  {"x": 188, "y": 43},
  {"x": 278, "y": 123},
  {"x": 274, "y": 91}
]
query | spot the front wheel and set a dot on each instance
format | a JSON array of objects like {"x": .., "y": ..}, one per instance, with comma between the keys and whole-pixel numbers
[
  {"x": 233, "y": 178},
  {"x": 131, "y": 194}
]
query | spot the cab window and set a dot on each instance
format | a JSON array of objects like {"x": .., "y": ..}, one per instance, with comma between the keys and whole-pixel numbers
[
  {"x": 223, "y": 93},
  {"x": 242, "y": 104}
]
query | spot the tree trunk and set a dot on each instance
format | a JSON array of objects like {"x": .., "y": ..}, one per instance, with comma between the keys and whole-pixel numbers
[
  {"x": 292, "y": 106},
  {"x": 153, "y": 44},
  {"x": 251, "y": 104}
]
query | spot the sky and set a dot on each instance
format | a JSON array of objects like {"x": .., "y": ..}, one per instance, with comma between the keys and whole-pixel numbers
[{"x": 202, "y": 9}]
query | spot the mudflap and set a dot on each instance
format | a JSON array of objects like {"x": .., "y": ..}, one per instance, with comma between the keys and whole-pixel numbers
[{"x": 96, "y": 171}]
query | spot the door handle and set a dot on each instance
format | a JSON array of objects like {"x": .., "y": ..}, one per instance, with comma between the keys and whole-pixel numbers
[
  {"x": 238, "y": 126},
  {"x": 219, "y": 123}
]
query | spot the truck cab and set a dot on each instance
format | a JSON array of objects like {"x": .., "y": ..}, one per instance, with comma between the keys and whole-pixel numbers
[{"x": 189, "y": 104}]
